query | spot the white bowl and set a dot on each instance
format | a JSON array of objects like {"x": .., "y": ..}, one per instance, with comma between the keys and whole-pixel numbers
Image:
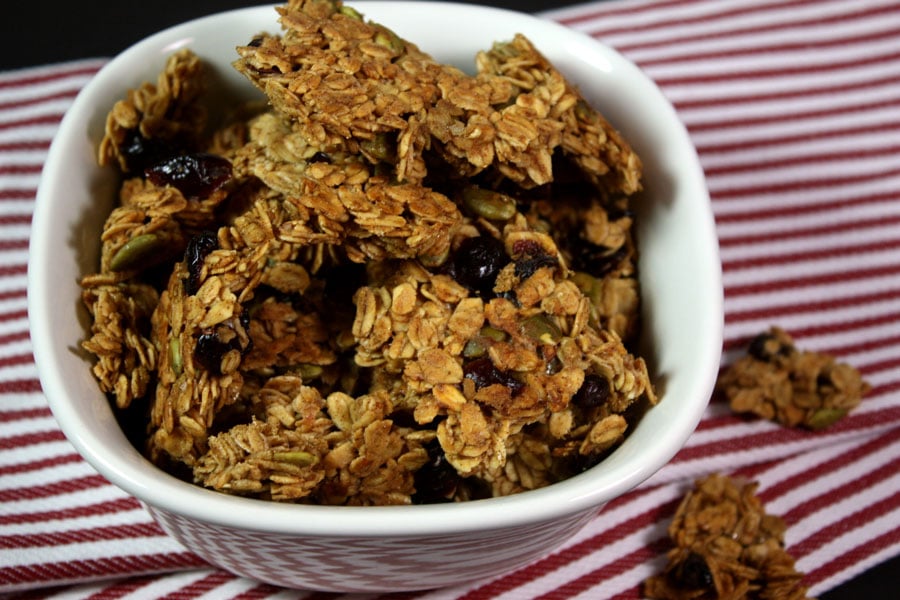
[{"x": 405, "y": 547}]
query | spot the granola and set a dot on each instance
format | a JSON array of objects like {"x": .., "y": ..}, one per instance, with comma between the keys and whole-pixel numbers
[
  {"x": 793, "y": 387},
  {"x": 393, "y": 283},
  {"x": 726, "y": 547}
]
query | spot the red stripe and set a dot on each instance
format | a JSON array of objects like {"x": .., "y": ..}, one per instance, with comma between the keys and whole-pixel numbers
[
  {"x": 10, "y": 294},
  {"x": 624, "y": 8},
  {"x": 21, "y": 169},
  {"x": 31, "y": 80},
  {"x": 51, "y": 119},
  {"x": 13, "y": 244},
  {"x": 768, "y": 141},
  {"x": 76, "y": 512},
  {"x": 805, "y": 307},
  {"x": 784, "y": 70},
  {"x": 774, "y": 285},
  {"x": 53, "y": 489},
  {"x": 16, "y": 359},
  {"x": 792, "y": 258},
  {"x": 98, "y": 567},
  {"x": 851, "y": 556},
  {"x": 40, "y": 464},
  {"x": 204, "y": 585},
  {"x": 841, "y": 110},
  {"x": 787, "y": 211},
  {"x": 18, "y": 194},
  {"x": 122, "y": 588},
  {"x": 15, "y": 219},
  {"x": 782, "y": 48},
  {"x": 843, "y": 226},
  {"x": 263, "y": 591},
  {"x": 80, "y": 536},
  {"x": 779, "y": 24},
  {"x": 825, "y": 88},
  {"x": 25, "y": 146},
  {"x": 753, "y": 192},
  {"x": 848, "y": 490},
  {"x": 7, "y": 416},
  {"x": 27, "y": 439},
  {"x": 17, "y": 336},
  {"x": 15, "y": 314},
  {"x": 20, "y": 386},
  {"x": 63, "y": 95}
]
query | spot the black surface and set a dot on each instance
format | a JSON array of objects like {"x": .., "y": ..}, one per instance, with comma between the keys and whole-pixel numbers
[{"x": 37, "y": 33}]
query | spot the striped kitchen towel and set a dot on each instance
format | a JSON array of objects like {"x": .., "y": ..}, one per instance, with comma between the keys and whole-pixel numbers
[{"x": 794, "y": 107}]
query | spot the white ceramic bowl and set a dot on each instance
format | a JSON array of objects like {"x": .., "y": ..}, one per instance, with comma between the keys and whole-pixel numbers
[{"x": 407, "y": 547}]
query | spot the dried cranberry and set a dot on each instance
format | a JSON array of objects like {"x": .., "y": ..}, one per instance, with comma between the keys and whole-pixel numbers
[
  {"x": 194, "y": 175},
  {"x": 531, "y": 256},
  {"x": 477, "y": 262},
  {"x": 197, "y": 249},
  {"x": 766, "y": 346},
  {"x": 214, "y": 343},
  {"x": 596, "y": 260},
  {"x": 483, "y": 373},
  {"x": 320, "y": 157},
  {"x": 593, "y": 393},
  {"x": 693, "y": 573},
  {"x": 437, "y": 480},
  {"x": 140, "y": 152}
]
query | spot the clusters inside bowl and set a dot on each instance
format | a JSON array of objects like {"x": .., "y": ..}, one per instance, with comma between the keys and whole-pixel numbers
[{"x": 388, "y": 282}]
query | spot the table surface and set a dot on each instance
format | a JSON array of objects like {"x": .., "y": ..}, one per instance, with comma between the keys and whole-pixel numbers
[{"x": 69, "y": 30}]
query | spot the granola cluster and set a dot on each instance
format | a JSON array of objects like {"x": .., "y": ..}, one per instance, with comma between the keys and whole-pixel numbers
[
  {"x": 389, "y": 283},
  {"x": 796, "y": 388},
  {"x": 726, "y": 547}
]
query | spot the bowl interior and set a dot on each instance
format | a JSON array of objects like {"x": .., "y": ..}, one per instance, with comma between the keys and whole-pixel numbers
[{"x": 679, "y": 267}]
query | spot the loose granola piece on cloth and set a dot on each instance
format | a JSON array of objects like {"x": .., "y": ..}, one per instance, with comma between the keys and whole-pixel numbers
[
  {"x": 793, "y": 387},
  {"x": 726, "y": 548}
]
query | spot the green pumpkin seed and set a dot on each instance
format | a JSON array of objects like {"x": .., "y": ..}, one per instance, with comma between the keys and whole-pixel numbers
[
  {"x": 350, "y": 12},
  {"x": 309, "y": 372},
  {"x": 381, "y": 148},
  {"x": 389, "y": 40},
  {"x": 176, "y": 361},
  {"x": 143, "y": 250},
  {"x": 489, "y": 204},
  {"x": 825, "y": 417},
  {"x": 542, "y": 329}
]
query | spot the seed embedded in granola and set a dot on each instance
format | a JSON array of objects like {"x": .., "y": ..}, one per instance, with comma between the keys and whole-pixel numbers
[
  {"x": 726, "y": 547},
  {"x": 777, "y": 381},
  {"x": 392, "y": 282}
]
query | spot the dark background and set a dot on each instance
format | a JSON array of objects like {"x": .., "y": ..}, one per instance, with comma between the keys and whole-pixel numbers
[{"x": 37, "y": 33}]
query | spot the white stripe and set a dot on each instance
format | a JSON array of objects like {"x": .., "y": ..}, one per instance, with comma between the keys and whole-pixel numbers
[
  {"x": 54, "y": 107},
  {"x": 849, "y": 239},
  {"x": 69, "y": 84},
  {"x": 15, "y": 348},
  {"x": 47, "y": 475},
  {"x": 21, "y": 180},
  {"x": 87, "y": 497},
  {"x": 852, "y": 569},
  {"x": 805, "y": 268},
  {"x": 27, "y": 454},
  {"x": 135, "y": 546},
  {"x": 16, "y": 207},
  {"x": 20, "y": 401},
  {"x": 26, "y": 427},
  {"x": 166, "y": 586},
  {"x": 31, "y": 133},
  {"x": 134, "y": 516},
  {"x": 15, "y": 372}
]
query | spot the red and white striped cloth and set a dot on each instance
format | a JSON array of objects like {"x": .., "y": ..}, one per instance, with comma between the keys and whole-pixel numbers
[{"x": 794, "y": 107}]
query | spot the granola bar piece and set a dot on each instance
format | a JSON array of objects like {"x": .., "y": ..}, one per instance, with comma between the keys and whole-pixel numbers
[
  {"x": 153, "y": 117},
  {"x": 793, "y": 387},
  {"x": 726, "y": 548},
  {"x": 545, "y": 97}
]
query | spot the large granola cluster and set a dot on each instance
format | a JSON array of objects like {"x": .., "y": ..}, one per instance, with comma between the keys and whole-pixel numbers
[
  {"x": 726, "y": 547},
  {"x": 391, "y": 283},
  {"x": 797, "y": 388}
]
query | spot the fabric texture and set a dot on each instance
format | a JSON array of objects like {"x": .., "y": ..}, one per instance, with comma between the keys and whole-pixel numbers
[{"x": 794, "y": 108}]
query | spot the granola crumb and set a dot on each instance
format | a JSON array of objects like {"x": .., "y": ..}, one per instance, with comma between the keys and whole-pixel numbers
[
  {"x": 726, "y": 547},
  {"x": 796, "y": 388}
]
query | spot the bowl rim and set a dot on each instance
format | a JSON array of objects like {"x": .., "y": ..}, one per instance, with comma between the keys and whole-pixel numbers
[{"x": 155, "y": 488}]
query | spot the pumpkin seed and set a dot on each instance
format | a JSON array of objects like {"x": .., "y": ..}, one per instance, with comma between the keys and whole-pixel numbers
[
  {"x": 542, "y": 329},
  {"x": 825, "y": 417},
  {"x": 489, "y": 204},
  {"x": 296, "y": 457},
  {"x": 143, "y": 250}
]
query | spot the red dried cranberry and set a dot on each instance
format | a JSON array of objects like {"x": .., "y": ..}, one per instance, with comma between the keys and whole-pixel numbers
[
  {"x": 593, "y": 393},
  {"x": 477, "y": 262},
  {"x": 194, "y": 175},
  {"x": 214, "y": 343},
  {"x": 140, "y": 152},
  {"x": 483, "y": 373},
  {"x": 436, "y": 481},
  {"x": 693, "y": 573},
  {"x": 320, "y": 157},
  {"x": 197, "y": 249},
  {"x": 596, "y": 260}
]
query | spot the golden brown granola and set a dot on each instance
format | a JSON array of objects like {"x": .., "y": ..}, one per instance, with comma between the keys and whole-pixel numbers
[
  {"x": 779, "y": 382},
  {"x": 726, "y": 547},
  {"x": 397, "y": 283}
]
